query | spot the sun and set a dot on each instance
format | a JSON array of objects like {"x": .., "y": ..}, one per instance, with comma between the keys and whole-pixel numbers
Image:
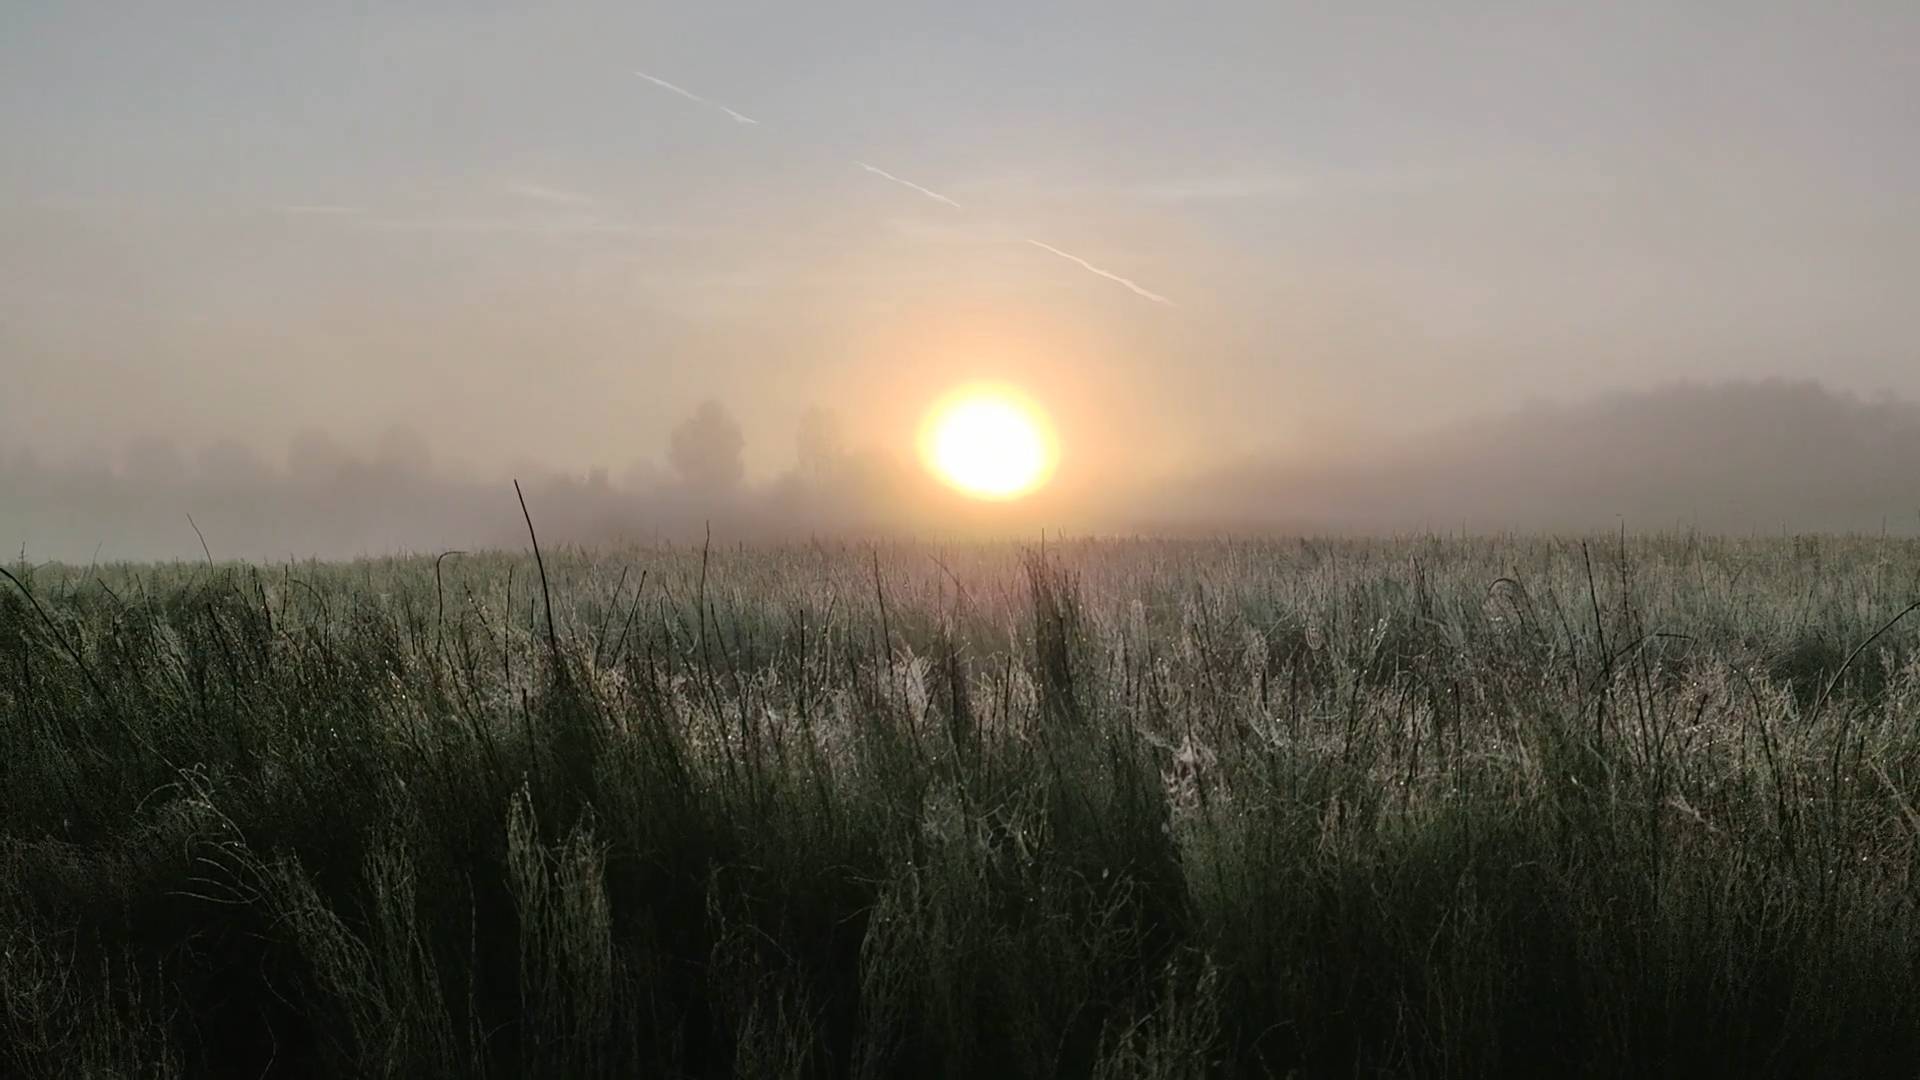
[{"x": 989, "y": 442}]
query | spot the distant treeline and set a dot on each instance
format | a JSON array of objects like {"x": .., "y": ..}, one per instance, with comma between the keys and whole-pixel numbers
[{"x": 1742, "y": 457}]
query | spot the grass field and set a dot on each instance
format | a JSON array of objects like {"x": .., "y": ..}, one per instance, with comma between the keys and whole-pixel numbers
[{"x": 1625, "y": 807}]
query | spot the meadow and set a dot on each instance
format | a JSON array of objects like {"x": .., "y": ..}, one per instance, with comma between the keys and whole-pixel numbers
[{"x": 1613, "y": 806}]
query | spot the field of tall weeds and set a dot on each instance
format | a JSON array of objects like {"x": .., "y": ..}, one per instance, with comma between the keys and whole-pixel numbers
[{"x": 1129, "y": 808}]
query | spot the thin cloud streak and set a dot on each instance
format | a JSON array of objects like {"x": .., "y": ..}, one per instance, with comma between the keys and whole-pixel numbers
[
  {"x": 552, "y": 225},
  {"x": 316, "y": 210},
  {"x": 1109, "y": 275},
  {"x": 552, "y": 196},
  {"x": 510, "y": 226},
  {"x": 691, "y": 96},
  {"x": 1230, "y": 188},
  {"x": 928, "y": 192}
]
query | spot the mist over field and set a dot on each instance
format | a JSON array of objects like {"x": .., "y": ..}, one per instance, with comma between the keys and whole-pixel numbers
[
  {"x": 327, "y": 282},
  {"x": 1101, "y": 539},
  {"x": 1738, "y": 458},
  {"x": 1735, "y": 458}
]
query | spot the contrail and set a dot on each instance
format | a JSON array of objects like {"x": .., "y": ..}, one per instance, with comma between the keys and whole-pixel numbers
[
  {"x": 928, "y": 192},
  {"x": 885, "y": 175},
  {"x": 1153, "y": 296},
  {"x": 691, "y": 96}
]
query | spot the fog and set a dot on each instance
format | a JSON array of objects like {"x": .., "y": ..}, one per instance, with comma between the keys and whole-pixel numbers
[
  {"x": 1744, "y": 457},
  {"x": 329, "y": 281}
]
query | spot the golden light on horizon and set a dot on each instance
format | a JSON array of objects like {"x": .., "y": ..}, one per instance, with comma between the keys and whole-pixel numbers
[{"x": 989, "y": 442}]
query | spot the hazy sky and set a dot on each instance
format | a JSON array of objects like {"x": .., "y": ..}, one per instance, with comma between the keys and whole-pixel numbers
[{"x": 244, "y": 220}]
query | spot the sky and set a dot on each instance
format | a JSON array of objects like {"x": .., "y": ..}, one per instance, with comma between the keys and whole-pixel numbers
[{"x": 1344, "y": 225}]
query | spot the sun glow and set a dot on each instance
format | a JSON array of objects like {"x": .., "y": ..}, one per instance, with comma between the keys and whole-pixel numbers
[{"x": 988, "y": 442}]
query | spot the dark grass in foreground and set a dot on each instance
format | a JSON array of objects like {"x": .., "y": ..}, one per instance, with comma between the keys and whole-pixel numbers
[{"x": 1146, "y": 809}]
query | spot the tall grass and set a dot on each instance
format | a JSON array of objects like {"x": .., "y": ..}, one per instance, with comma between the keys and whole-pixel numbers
[{"x": 1626, "y": 806}]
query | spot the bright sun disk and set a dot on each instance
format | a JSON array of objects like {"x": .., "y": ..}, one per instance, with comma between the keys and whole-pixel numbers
[{"x": 989, "y": 443}]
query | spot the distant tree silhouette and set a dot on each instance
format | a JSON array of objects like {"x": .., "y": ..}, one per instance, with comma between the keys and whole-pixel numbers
[
  {"x": 153, "y": 461},
  {"x": 316, "y": 457},
  {"x": 705, "y": 449},
  {"x": 230, "y": 463},
  {"x": 403, "y": 451},
  {"x": 642, "y": 474},
  {"x": 820, "y": 444}
]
